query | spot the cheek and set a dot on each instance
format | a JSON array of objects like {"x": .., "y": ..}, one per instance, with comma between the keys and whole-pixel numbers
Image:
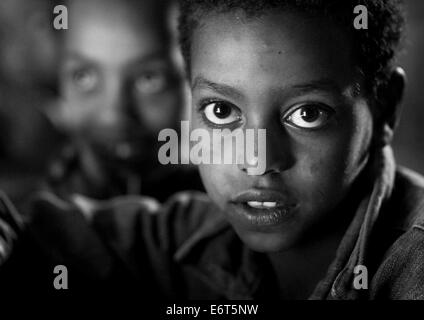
[
  {"x": 328, "y": 166},
  {"x": 78, "y": 111},
  {"x": 217, "y": 180},
  {"x": 74, "y": 114}
]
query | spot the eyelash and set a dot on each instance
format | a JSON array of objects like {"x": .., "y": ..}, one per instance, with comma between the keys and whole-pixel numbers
[
  {"x": 200, "y": 111},
  {"x": 294, "y": 108},
  {"x": 204, "y": 103}
]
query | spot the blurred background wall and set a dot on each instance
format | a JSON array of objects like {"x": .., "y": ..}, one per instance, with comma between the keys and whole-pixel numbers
[
  {"x": 27, "y": 86},
  {"x": 409, "y": 139}
]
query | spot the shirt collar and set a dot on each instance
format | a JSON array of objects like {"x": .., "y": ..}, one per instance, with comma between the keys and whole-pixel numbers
[{"x": 353, "y": 249}]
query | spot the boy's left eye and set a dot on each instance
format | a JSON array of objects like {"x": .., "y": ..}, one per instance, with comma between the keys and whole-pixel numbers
[
  {"x": 309, "y": 116},
  {"x": 221, "y": 113}
]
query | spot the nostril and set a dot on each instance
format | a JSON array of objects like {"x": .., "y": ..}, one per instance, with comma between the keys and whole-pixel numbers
[
  {"x": 242, "y": 167},
  {"x": 273, "y": 170}
]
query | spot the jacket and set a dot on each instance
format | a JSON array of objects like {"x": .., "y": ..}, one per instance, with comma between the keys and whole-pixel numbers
[{"x": 185, "y": 249}]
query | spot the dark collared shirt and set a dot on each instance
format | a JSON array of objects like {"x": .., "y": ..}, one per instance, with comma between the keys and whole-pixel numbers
[{"x": 186, "y": 250}]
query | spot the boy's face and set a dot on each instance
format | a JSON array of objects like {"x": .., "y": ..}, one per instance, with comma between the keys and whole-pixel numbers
[
  {"x": 293, "y": 76},
  {"x": 121, "y": 80}
]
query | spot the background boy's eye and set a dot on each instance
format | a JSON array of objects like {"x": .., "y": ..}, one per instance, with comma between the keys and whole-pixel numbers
[
  {"x": 221, "y": 113},
  {"x": 151, "y": 83},
  {"x": 309, "y": 116},
  {"x": 85, "y": 79}
]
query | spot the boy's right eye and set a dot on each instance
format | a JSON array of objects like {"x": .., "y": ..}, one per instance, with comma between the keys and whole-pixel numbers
[
  {"x": 85, "y": 80},
  {"x": 221, "y": 113}
]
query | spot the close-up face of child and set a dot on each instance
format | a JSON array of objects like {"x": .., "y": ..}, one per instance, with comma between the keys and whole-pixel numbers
[
  {"x": 120, "y": 79},
  {"x": 293, "y": 75}
]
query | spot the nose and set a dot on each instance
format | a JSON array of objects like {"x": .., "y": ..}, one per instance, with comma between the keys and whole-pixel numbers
[
  {"x": 276, "y": 157},
  {"x": 114, "y": 109}
]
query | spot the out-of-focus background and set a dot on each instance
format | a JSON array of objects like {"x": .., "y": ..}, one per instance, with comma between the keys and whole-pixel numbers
[
  {"x": 409, "y": 140},
  {"x": 27, "y": 86}
]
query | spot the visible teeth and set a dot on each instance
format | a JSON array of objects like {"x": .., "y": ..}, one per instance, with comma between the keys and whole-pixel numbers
[
  {"x": 258, "y": 204},
  {"x": 255, "y": 204},
  {"x": 270, "y": 204}
]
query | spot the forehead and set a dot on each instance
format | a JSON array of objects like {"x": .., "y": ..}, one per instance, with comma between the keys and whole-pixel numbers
[
  {"x": 115, "y": 30},
  {"x": 270, "y": 50}
]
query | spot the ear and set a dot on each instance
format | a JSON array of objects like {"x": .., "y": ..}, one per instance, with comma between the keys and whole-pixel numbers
[{"x": 389, "y": 97}]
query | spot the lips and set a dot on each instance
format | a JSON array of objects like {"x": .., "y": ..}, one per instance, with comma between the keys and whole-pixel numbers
[
  {"x": 261, "y": 207},
  {"x": 261, "y": 196}
]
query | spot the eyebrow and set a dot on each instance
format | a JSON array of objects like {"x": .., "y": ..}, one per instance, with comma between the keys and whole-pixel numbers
[
  {"x": 72, "y": 55},
  {"x": 223, "y": 89},
  {"x": 154, "y": 56},
  {"x": 324, "y": 84}
]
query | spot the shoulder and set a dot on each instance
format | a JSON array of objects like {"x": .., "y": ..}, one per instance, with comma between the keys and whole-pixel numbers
[
  {"x": 125, "y": 220},
  {"x": 401, "y": 273},
  {"x": 406, "y": 204},
  {"x": 184, "y": 217}
]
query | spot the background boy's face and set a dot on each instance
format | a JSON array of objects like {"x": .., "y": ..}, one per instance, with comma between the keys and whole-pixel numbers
[
  {"x": 291, "y": 75},
  {"x": 121, "y": 79}
]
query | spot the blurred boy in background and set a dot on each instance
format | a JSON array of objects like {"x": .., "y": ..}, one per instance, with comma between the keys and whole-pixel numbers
[{"x": 121, "y": 82}]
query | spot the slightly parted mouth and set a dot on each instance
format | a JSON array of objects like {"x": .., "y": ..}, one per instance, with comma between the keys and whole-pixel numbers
[
  {"x": 262, "y": 198},
  {"x": 262, "y": 207}
]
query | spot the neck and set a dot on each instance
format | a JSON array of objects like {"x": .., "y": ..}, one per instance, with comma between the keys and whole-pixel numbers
[{"x": 300, "y": 268}]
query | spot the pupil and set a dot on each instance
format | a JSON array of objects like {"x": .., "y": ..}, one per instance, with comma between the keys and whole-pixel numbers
[
  {"x": 310, "y": 114},
  {"x": 82, "y": 77},
  {"x": 221, "y": 111}
]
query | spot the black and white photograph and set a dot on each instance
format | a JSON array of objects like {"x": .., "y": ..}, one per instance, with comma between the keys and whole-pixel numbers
[{"x": 211, "y": 158}]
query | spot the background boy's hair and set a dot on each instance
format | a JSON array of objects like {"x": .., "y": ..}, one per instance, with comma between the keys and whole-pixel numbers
[{"x": 375, "y": 48}]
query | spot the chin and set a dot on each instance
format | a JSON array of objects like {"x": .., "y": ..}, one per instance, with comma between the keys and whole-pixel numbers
[{"x": 268, "y": 242}]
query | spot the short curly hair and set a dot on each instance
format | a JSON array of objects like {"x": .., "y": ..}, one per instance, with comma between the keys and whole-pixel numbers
[{"x": 375, "y": 48}]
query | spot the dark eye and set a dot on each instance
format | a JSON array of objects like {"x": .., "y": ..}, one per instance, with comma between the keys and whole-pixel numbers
[
  {"x": 151, "y": 83},
  {"x": 221, "y": 113},
  {"x": 85, "y": 79},
  {"x": 309, "y": 116}
]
